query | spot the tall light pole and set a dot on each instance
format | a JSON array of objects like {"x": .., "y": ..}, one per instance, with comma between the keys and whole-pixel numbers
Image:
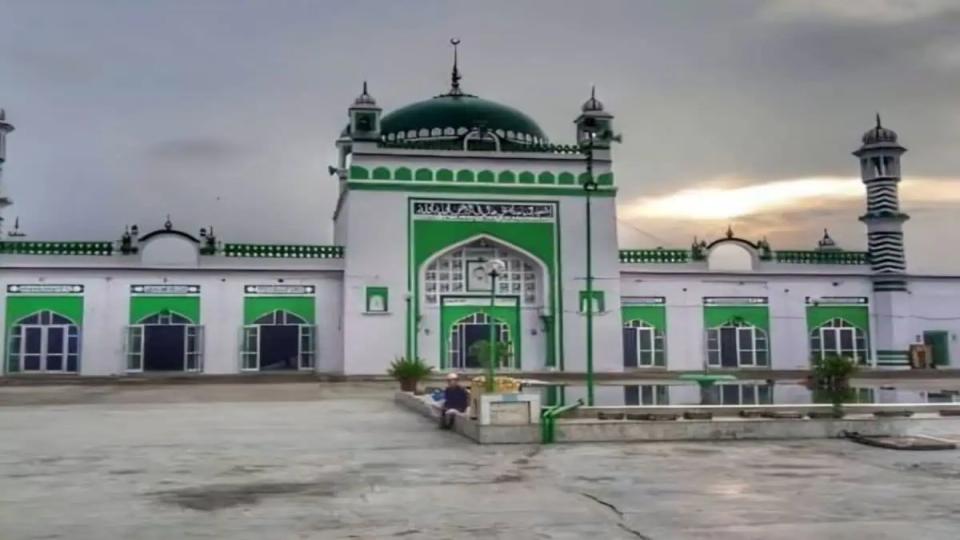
[
  {"x": 589, "y": 186},
  {"x": 494, "y": 268}
]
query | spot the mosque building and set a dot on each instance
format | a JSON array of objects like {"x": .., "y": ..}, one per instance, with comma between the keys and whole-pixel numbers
[{"x": 456, "y": 213}]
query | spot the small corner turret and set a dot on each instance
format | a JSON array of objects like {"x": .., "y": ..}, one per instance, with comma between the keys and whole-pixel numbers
[
  {"x": 365, "y": 117},
  {"x": 594, "y": 125}
]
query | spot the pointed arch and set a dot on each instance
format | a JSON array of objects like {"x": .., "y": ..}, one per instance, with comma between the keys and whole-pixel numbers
[{"x": 542, "y": 269}]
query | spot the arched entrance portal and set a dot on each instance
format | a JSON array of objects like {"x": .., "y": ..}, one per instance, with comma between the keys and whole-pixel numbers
[
  {"x": 469, "y": 334},
  {"x": 165, "y": 341},
  {"x": 458, "y": 299},
  {"x": 279, "y": 340},
  {"x": 44, "y": 342}
]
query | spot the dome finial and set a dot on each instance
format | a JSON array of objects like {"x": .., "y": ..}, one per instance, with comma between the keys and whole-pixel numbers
[
  {"x": 455, "y": 74},
  {"x": 879, "y": 126},
  {"x": 365, "y": 98},
  {"x": 592, "y": 104}
]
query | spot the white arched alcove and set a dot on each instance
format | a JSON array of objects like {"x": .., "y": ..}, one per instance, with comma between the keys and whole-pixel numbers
[
  {"x": 731, "y": 257},
  {"x": 170, "y": 250}
]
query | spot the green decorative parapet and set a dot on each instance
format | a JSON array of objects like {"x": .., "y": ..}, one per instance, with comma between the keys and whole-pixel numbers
[
  {"x": 289, "y": 251},
  {"x": 822, "y": 257},
  {"x": 56, "y": 248},
  {"x": 668, "y": 256}
]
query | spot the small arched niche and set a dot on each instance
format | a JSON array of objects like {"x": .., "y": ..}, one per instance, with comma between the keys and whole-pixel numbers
[
  {"x": 170, "y": 249},
  {"x": 731, "y": 256}
]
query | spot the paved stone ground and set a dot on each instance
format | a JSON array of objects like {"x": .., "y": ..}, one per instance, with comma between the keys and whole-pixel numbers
[{"x": 341, "y": 461}]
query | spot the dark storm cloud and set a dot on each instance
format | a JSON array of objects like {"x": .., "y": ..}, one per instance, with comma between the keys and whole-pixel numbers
[{"x": 133, "y": 109}]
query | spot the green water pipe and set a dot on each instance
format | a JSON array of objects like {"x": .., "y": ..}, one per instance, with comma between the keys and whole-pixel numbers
[{"x": 548, "y": 422}]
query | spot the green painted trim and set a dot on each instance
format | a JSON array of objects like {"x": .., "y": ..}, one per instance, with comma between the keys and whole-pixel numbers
[
  {"x": 450, "y": 315},
  {"x": 654, "y": 315},
  {"x": 442, "y": 235},
  {"x": 939, "y": 342},
  {"x": 822, "y": 257},
  {"x": 288, "y": 251},
  {"x": 465, "y": 175},
  {"x": 255, "y": 307},
  {"x": 546, "y": 177},
  {"x": 374, "y": 292},
  {"x": 55, "y": 248},
  {"x": 359, "y": 173},
  {"x": 142, "y": 307},
  {"x": 598, "y": 297},
  {"x": 19, "y": 307},
  {"x": 758, "y": 316},
  {"x": 423, "y": 175},
  {"x": 475, "y": 189},
  {"x": 858, "y": 316},
  {"x": 469, "y": 176},
  {"x": 667, "y": 256}
]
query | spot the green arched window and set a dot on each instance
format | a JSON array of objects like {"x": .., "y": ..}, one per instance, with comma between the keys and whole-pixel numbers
[
  {"x": 444, "y": 175},
  {"x": 485, "y": 177},
  {"x": 546, "y": 178},
  {"x": 643, "y": 345},
  {"x": 507, "y": 177},
  {"x": 464, "y": 175},
  {"x": 424, "y": 175},
  {"x": 402, "y": 173}
]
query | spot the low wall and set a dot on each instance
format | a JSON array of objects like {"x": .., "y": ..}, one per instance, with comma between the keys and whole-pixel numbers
[
  {"x": 583, "y": 426},
  {"x": 469, "y": 427},
  {"x": 730, "y": 429}
]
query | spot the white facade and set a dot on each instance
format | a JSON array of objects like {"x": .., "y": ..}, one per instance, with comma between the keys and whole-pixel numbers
[{"x": 430, "y": 193}]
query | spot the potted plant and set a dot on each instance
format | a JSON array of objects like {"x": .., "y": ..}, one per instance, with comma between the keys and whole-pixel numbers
[
  {"x": 503, "y": 352},
  {"x": 831, "y": 381},
  {"x": 409, "y": 371}
]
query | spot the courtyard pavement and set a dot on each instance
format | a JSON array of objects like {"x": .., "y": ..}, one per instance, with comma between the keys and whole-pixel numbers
[{"x": 307, "y": 460}]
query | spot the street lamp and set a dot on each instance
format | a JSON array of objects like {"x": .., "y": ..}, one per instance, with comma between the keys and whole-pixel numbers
[
  {"x": 494, "y": 268},
  {"x": 589, "y": 186}
]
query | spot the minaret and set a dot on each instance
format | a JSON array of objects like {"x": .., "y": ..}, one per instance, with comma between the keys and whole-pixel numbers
[
  {"x": 5, "y": 127},
  {"x": 880, "y": 171},
  {"x": 365, "y": 117},
  {"x": 594, "y": 123}
]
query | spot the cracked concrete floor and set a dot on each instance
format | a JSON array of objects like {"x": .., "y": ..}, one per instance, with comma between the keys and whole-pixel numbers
[{"x": 278, "y": 461}]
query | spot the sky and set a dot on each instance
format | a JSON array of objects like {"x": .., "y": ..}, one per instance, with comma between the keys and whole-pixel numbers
[{"x": 737, "y": 113}]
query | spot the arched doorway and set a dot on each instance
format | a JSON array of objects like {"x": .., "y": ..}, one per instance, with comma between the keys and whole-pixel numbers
[
  {"x": 278, "y": 340},
  {"x": 44, "y": 342},
  {"x": 165, "y": 341},
  {"x": 466, "y": 336},
  {"x": 456, "y": 299},
  {"x": 643, "y": 345},
  {"x": 838, "y": 337},
  {"x": 737, "y": 343}
]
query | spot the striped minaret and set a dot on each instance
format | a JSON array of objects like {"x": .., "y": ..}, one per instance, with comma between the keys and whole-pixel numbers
[{"x": 880, "y": 171}]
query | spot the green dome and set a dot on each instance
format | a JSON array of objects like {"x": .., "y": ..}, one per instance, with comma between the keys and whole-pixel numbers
[{"x": 452, "y": 116}]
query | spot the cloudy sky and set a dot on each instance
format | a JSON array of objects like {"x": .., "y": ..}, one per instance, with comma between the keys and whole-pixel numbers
[{"x": 224, "y": 112}]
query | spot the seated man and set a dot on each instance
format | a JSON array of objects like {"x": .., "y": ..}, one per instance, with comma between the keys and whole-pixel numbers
[{"x": 456, "y": 399}]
